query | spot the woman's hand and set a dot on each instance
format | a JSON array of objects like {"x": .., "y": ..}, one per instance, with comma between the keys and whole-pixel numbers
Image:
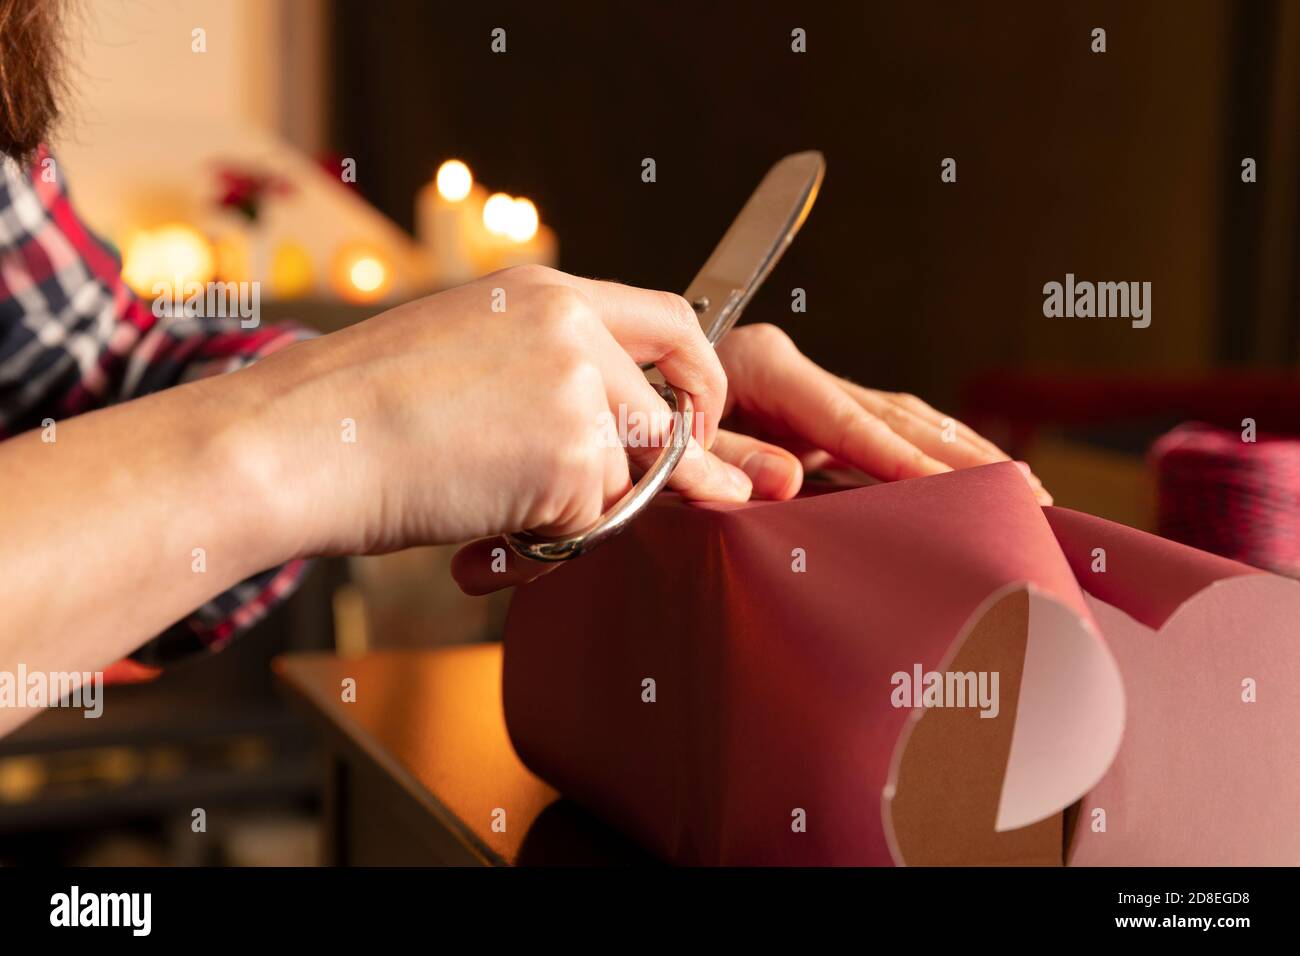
[
  {"x": 785, "y": 414},
  {"x": 813, "y": 420},
  {"x": 464, "y": 414},
  {"x": 439, "y": 421},
  {"x": 479, "y": 411}
]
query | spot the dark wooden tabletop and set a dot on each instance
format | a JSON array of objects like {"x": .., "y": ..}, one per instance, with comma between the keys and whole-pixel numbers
[{"x": 431, "y": 724}]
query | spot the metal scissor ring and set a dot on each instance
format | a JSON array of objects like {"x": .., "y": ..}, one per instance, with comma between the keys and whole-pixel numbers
[{"x": 538, "y": 547}]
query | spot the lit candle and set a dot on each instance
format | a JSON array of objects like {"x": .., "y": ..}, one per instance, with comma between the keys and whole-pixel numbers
[
  {"x": 446, "y": 214},
  {"x": 175, "y": 255},
  {"x": 361, "y": 273},
  {"x": 528, "y": 242},
  {"x": 523, "y": 220},
  {"x": 291, "y": 272}
]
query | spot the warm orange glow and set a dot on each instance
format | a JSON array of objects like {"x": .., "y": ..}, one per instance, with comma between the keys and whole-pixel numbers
[
  {"x": 498, "y": 212},
  {"x": 291, "y": 271},
  {"x": 504, "y": 215},
  {"x": 368, "y": 274},
  {"x": 233, "y": 258},
  {"x": 454, "y": 180},
  {"x": 361, "y": 273},
  {"x": 523, "y": 220},
  {"x": 174, "y": 255}
]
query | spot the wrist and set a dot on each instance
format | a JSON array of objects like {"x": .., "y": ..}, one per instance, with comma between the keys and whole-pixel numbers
[{"x": 254, "y": 471}]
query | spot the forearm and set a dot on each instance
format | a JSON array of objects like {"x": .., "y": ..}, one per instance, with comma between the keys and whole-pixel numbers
[{"x": 100, "y": 529}]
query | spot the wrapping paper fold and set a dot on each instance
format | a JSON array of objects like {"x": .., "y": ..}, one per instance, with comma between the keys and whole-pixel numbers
[{"x": 923, "y": 672}]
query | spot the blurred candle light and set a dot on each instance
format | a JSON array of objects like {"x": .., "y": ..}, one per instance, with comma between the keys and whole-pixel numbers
[
  {"x": 291, "y": 271},
  {"x": 234, "y": 259},
  {"x": 368, "y": 274},
  {"x": 498, "y": 214},
  {"x": 175, "y": 254},
  {"x": 446, "y": 220},
  {"x": 525, "y": 241},
  {"x": 361, "y": 274},
  {"x": 454, "y": 180},
  {"x": 523, "y": 221}
]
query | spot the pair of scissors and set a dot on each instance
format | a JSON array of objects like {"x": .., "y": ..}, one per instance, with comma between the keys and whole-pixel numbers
[{"x": 749, "y": 250}]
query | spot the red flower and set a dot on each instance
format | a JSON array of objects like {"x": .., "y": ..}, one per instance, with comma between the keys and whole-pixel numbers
[{"x": 244, "y": 190}]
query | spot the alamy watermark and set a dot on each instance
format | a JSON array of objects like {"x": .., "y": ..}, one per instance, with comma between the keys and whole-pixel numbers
[
  {"x": 242, "y": 300},
  {"x": 1086, "y": 300},
  {"x": 133, "y": 911},
  {"x": 634, "y": 428},
  {"x": 40, "y": 689},
  {"x": 922, "y": 688}
]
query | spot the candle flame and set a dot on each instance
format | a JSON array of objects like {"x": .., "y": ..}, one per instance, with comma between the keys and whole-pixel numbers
[
  {"x": 523, "y": 220},
  {"x": 368, "y": 274},
  {"x": 498, "y": 213},
  {"x": 173, "y": 254},
  {"x": 361, "y": 273},
  {"x": 454, "y": 180}
]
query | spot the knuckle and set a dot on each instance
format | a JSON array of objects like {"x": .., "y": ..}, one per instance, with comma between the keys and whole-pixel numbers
[
  {"x": 576, "y": 398},
  {"x": 679, "y": 312},
  {"x": 769, "y": 336},
  {"x": 893, "y": 415},
  {"x": 575, "y": 383},
  {"x": 575, "y": 457},
  {"x": 909, "y": 462},
  {"x": 848, "y": 421},
  {"x": 529, "y": 273},
  {"x": 577, "y": 483},
  {"x": 563, "y": 315}
]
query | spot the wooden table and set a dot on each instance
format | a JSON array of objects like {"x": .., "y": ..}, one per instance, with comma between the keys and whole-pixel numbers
[{"x": 419, "y": 766}]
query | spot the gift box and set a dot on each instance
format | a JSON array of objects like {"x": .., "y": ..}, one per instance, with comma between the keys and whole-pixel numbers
[{"x": 934, "y": 671}]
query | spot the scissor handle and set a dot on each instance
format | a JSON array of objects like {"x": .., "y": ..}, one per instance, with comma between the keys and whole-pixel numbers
[
  {"x": 748, "y": 251},
  {"x": 537, "y": 547}
]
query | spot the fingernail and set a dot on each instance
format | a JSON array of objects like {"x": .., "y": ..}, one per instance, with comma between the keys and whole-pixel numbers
[
  {"x": 1025, "y": 470},
  {"x": 1035, "y": 483},
  {"x": 740, "y": 480}
]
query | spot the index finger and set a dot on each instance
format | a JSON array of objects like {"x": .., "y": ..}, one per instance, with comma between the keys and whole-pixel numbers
[
  {"x": 661, "y": 327},
  {"x": 811, "y": 405}
]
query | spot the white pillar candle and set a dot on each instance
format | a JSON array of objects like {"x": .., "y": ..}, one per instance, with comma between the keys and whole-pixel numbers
[
  {"x": 446, "y": 218},
  {"x": 517, "y": 235}
]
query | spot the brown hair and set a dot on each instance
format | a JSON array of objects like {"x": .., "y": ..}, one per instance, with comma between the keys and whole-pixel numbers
[{"x": 31, "y": 78}]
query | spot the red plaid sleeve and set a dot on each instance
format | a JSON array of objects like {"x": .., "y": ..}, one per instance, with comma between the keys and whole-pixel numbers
[{"x": 73, "y": 337}]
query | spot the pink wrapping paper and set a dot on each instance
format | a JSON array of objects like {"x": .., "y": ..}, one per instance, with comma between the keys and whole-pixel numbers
[
  {"x": 775, "y": 736},
  {"x": 1208, "y": 773}
]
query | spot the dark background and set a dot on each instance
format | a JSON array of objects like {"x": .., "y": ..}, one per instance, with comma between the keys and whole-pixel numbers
[{"x": 1122, "y": 166}]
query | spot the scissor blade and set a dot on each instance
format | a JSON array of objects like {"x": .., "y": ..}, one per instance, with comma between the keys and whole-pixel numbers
[{"x": 755, "y": 242}]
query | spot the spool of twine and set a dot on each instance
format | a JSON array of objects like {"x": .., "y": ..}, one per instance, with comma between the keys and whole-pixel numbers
[{"x": 1237, "y": 498}]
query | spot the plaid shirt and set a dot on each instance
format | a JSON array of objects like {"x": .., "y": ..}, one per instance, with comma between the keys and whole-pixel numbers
[{"x": 74, "y": 338}]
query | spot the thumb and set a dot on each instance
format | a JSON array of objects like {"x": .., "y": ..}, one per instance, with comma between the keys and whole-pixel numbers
[{"x": 481, "y": 568}]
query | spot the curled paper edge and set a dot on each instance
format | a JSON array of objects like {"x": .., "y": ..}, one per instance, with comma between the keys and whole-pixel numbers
[
  {"x": 1069, "y": 720},
  {"x": 1058, "y": 753}
]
